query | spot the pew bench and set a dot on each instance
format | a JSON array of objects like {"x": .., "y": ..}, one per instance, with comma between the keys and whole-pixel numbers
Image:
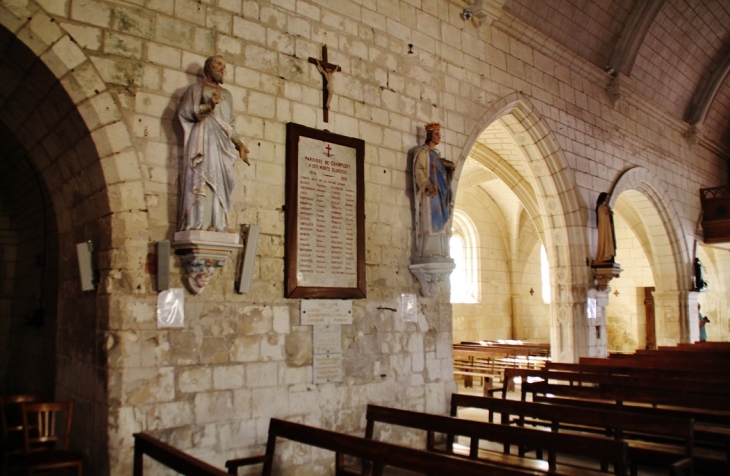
[
  {"x": 712, "y": 459},
  {"x": 385, "y": 458},
  {"x": 595, "y": 448},
  {"x": 658, "y": 440}
]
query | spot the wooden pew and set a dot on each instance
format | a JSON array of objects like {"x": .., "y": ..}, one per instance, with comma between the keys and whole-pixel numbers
[
  {"x": 381, "y": 455},
  {"x": 615, "y": 368},
  {"x": 489, "y": 361},
  {"x": 712, "y": 428},
  {"x": 709, "y": 408},
  {"x": 597, "y": 448},
  {"x": 677, "y": 455},
  {"x": 655, "y": 364},
  {"x": 169, "y": 456},
  {"x": 608, "y": 379}
]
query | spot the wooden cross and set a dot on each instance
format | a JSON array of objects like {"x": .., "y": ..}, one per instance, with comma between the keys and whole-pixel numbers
[{"x": 328, "y": 88}]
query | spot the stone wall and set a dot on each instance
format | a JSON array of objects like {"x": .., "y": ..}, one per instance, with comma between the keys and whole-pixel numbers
[{"x": 211, "y": 387}]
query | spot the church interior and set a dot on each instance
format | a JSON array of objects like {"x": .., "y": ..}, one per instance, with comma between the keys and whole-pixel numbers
[{"x": 541, "y": 107}]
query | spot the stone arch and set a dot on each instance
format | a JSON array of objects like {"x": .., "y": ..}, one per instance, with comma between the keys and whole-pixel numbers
[
  {"x": 547, "y": 188},
  {"x": 70, "y": 129},
  {"x": 672, "y": 274},
  {"x": 671, "y": 258}
]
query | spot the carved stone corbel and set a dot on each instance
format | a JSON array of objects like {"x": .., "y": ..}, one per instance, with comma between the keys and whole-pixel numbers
[
  {"x": 604, "y": 273},
  {"x": 487, "y": 11},
  {"x": 202, "y": 253},
  {"x": 620, "y": 86},
  {"x": 693, "y": 134},
  {"x": 430, "y": 271}
]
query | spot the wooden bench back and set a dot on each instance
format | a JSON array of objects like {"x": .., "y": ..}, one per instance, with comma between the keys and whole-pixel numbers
[
  {"x": 600, "y": 419},
  {"x": 555, "y": 443},
  {"x": 711, "y": 375},
  {"x": 673, "y": 385},
  {"x": 630, "y": 395},
  {"x": 169, "y": 456},
  {"x": 379, "y": 453}
]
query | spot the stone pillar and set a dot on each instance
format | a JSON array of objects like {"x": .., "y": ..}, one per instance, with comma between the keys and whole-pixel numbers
[
  {"x": 595, "y": 314},
  {"x": 676, "y": 317},
  {"x": 596, "y": 317}
]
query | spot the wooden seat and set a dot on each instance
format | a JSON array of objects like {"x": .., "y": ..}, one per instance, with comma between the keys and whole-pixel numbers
[
  {"x": 46, "y": 434},
  {"x": 11, "y": 426}
]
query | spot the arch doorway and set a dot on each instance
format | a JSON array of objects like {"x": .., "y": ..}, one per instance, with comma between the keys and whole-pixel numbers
[
  {"x": 54, "y": 195},
  {"x": 515, "y": 201}
]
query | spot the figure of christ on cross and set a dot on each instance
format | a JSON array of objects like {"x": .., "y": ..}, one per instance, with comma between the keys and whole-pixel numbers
[{"x": 328, "y": 71}]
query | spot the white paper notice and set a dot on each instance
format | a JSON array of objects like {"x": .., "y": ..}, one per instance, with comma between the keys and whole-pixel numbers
[
  {"x": 326, "y": 208},
  {"x": 171, "y": 308}
]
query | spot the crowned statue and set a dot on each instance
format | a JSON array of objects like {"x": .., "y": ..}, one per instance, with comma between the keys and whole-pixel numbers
[{"x": 434, "y": 200}]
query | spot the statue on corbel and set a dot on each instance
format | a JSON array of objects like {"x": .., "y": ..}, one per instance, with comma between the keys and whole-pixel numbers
[
  {"x": 207, "y": 179},
  {"x": 604, "y": 266},
  {"x": 434, "y": 207}
]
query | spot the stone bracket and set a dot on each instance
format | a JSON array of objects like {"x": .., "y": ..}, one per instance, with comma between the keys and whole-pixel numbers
[
  {"x": 201, "y": 253},
  {"x": 487, "y": 11},
  {"x": 604, "y": 273},
  {"x": 430, "y": 271},
  {"x": 620, "y": 86}
]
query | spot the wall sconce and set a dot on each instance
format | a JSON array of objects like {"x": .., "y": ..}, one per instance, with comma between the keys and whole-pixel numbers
[
  {"x": 616, "y": 293},
  {"x": 532, "y": 292},
  {"x": 410, "y": 48}
]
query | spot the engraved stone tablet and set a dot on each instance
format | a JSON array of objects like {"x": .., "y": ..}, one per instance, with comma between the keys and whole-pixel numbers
[
  {"x": 325, "y": 312},
  {"x": 327, "y": 368},
  {"x": 327, "y": 340}
]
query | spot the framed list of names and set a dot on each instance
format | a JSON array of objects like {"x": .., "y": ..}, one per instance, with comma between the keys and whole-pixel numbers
[{"x": 325, "y": 215}]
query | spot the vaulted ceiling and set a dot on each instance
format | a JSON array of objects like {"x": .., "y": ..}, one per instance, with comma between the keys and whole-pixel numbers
[{"x": 677, "y": 52}]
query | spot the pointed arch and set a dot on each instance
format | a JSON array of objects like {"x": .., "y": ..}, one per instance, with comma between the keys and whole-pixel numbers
[
  {"x": 673, "y": 272},
  {"x": 670, "y": 255},
  {"x": 546, "y": 186}
]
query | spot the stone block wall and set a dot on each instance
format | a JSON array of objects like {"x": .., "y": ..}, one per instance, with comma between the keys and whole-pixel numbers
[{"x": 211, "y": 387}]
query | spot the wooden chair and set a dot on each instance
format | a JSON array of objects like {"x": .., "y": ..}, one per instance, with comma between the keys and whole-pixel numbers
[
  {"x": 11, "y": 426},
  {"x": 48, "y": 424}
]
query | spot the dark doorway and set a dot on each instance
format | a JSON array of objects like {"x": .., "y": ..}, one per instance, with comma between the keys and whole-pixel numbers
[{"x": 650, "y": 322}]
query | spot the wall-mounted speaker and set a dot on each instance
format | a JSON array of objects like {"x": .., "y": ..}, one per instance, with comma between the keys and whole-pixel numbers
[
  {"x": 86, "y": 265},
  {"x": 163, "y": 265},
  {"x": 250, "y": 242}
]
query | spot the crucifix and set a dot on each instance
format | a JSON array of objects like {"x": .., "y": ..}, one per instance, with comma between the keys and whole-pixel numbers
[{"x": 328, "y": 71}]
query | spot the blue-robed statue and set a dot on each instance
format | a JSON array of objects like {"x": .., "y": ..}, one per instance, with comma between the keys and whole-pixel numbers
[{"x": 434, "y": 199}]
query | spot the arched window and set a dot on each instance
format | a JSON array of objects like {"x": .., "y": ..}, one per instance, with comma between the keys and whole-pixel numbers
[
  {"x": 545, "y": 275},
  {"x": 464, "y": 247}
]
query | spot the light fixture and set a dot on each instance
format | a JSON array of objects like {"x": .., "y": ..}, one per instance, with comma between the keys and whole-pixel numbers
[
  {"x": 616, "y": 293},
  {"x": 532, "y": 292}
]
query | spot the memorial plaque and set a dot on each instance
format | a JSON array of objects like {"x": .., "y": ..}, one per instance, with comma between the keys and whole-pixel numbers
[
  {"x": 319, "y": 312},
  {"x": 325, "y": 215},
  {"x": 326, "y": 340},
  {"x": 327, "y": 368}
]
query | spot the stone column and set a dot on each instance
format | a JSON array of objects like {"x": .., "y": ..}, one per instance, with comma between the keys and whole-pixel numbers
[{"x": 596, "y": 317}]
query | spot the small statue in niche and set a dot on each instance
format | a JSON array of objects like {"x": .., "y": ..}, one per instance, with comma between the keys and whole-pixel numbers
[
  {"x": 434, "y": 204},
  {"x": 606, "y": 249},
  {"x": 211, "y": 148}
]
